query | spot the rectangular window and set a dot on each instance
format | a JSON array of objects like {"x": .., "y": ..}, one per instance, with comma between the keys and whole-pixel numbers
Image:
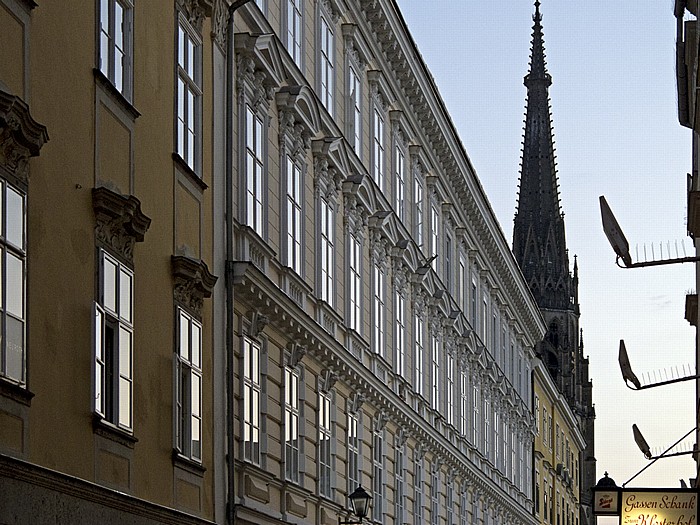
[
  {"x": 449, "y": 501},
  {"x": 355, "y": 109},
  {"x": 189, "y": 94},
  {"x": 462, "y": 292},
  {"x": 355, "y": 310},
  {"x": 327, "y": 64},
  {"x": 474, "y": 310},
  {"x": 325, "y": 437},
  {"x": 475, "y": 416},
  {"x": 487, "y": 429},
  {"x": 420, "y": 355},
  {"x": 463, "y": 513},
  {"x": 484, "y": 318},
  {"x": 450, "y": 389},
  {"x": 537, "y": 415},
  {"x": 13, "y": 257},
  {"x": 435, "y": 373},
  {"x": 292, "y": 439},
  {"x": 434, "y": 496},
  {"x": 400, "y": 183},
  {"x": 378, "y": 149},
  {"x": 496, "y": 439},
  {"x": 545, "y": 502},
  {"x": 448, "y": 263},
  {"x": 252, "y": 391},
  {"x": 327, "y": 252},
  {"x": 188, "y": 387},
  {"x": 116, "y": 43},
  {"x": 354, "y": 451},
  {"x": 506, "y": 433},
  {"x": 418, "y": 488},
  {"x": 434, "y": 234},
  {"x": 255, "y": 170},
  {"x": 294, "y": 215},
  {"x": 399, "y": 496},
  {"x": 418, "y": 219},
  {"x": 294, "y": 13},
  {"x": 113, "y": 342},
  {"x": 464, "y": 403},
  {"x": 378, "y": 475},
  {"x": 379, "y": 311},
  {"x": 400, "y": 336},
  {"x": 545, "y": 429}
]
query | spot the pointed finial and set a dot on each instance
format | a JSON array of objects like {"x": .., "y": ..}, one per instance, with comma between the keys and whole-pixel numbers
[{"x": 537, "y": 16}]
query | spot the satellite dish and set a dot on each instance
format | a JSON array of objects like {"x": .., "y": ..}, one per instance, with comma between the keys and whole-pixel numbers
[
  {"x": 614, "y": 233},
  {"x": 625, "y": 366},
  {"x": 641, "y": 442}
]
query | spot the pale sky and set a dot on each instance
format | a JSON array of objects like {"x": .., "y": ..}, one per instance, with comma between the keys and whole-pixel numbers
[{"x": 614, "y": 110}]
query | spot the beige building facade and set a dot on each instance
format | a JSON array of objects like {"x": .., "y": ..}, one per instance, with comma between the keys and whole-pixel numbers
[{"x": 247, "y": 268}]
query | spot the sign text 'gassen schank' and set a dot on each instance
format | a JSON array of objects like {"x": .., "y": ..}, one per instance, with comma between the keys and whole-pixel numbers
[{"x": 659, "y": 508}]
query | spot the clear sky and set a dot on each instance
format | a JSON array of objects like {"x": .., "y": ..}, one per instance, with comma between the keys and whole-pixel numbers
[{"x": 614, "y": 109}]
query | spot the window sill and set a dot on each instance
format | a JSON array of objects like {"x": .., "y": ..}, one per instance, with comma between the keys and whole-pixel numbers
[
  {"x": 104, "y": 428},
  {"x": 115, "y": 94},
  {"x": 15, "y": 392},
  {"x": 190, "y": 465},
  {"x": 189, "y": 172}
]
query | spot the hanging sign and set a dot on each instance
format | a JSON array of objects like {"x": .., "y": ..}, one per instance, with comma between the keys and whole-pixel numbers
[{"x": 664, "y": 507}]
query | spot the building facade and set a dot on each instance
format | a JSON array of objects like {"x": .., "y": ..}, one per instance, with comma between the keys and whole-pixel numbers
[
  {"x": 539, "y": 246},
  {"x": 247, "y": 268}
]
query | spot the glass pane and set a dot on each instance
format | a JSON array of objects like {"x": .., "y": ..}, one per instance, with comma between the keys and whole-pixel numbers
[
  {"x": 124, "y": 353},
  {"x": 15, "y": 286},
  {"x": 196, "y": 440},
  {"x": 196, "y": 393},
  {"x": 99, "y": 359},
  {"x": 15, "y": 218},
  {"x": 124, "y": 402},
  {"x": 181, "y": 47},
  {"x": 118, "y": 25},
  {"x": 196, "y": 344},
  {"x": 119, "y": 69},
  {"x": 125, "y": 296},
  {"x": 110, "y": 284},
  {"x": 190, "y": 57},
  {"x": 15, "y": 349},
  {"x": 184, "y": 336}
]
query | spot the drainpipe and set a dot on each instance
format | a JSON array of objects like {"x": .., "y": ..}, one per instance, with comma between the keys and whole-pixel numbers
[{"x": 230, "y": 364}]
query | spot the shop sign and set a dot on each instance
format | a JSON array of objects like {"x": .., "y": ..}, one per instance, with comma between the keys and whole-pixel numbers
[{"x": 641, "y": 507}]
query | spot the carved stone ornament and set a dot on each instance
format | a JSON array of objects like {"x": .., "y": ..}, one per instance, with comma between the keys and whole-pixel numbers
[
  {"x": 400, "y": 278},
  {"x": 327, "y": 179},
  {"x": 195, "y": 11},
  {"x": 379, "y": 248},
  {"x": 252, "y": 81},
  {"x": 193, "y": 282},
  {"x": 120, "y": 223},
  {"x": 355, "y": 403},
  {"x": 21, "y": 137},
  {"x": 326, "y": 380},
  {"x": 294, "y": 133},
  {"x": 379, "y": 421},
  {"x": 401, "y": 437},
  {"x": 296, "y": 354},
  {"x": 219, "y": 22},
  {"x": 258, "y": 322},
  {"x": 420, "y": 301},
  {"x": 355, "y": 217}
]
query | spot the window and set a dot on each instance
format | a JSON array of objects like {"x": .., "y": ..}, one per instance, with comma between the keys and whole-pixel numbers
[
  {"x": 545, "y": 427},
  {"x": 399, "y": 496},
  {"x": 537, "y": 415},
  {"x": 450, "y": 500},
  {"x": 294, "y": 17},
  {"x": 189, "y": 95},
  {"x": 188, "y": 387},
  {"x": 485, "y": 320},
  {"x": 355, "y": 109},
  {"x": 294, "y": 215},
  {"x": 400, "y": 336},
  {"x": 327, "y": 251},
  {"x": 506, "y": 433},
  {"x": 545, "y": 503},
  {"x": 434, "y": 234},
  {"x": 462, "y": 292},
  {"x": 418, "y": 219},
  {"x": 116, "y": 38},
  {"x": 255, "y": 170},
  {"x": 420, "y": 355},
  {"x": 113, "y": 342},
  {"x": 434, "y": 495},
  {"x": 327, "y": 61},
  {"x": 487, "y": 429},
  {"x": 475, "y": 415},
  {"x": 252, "y": 390},
  {"x": 464, "y": 403},
  {"x": 450, "y": 389},
  {"x": 435, "y": 369},
  {"x": 354, "y": 444},
  {"x": 474, "y": 310},
  {"x": 400, "y": 183},
  {"x": 496, "y": 438},
  {"x": 463, "y": 513},
  {"x": 292, "y": 438},
  {"x": 325, "y": 437},
  {"x": 379, "y": 311},
  {"x": 417, "y": 487},
  {"x": 355, "y": 310},
  {"x": 378, "y": 475},
  {"x": 378, "y": 149},
  {"x": 448, "y": 263},
  {"x": 13, "y": 256}
]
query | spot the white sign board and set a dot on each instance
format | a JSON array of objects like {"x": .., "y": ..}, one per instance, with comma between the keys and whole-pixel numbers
[{"x": 640, "y": 507}]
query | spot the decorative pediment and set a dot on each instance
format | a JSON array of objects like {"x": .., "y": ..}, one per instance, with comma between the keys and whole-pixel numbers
[
  {"x": 263, "y": 50},
  {"x": 380, "y": 91},
  {"x": 356, "y": 45},
  {"x": 302, "y": 104},
  {"x": 119, "y": 221},
  {"x": 193, "y": 282},
  {"x": 21, "y": 137}
]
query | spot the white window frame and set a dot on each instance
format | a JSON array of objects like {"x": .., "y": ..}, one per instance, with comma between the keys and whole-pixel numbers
[
  {"x": 378, "y": 147},
  {"x": 354, "y": 449},
  {"x": 292, "y": 424},
  {"x": 295, "y": 215},
  {"x": 113, "y": 398},
  {"x": 487, "y": 429},
  {"x": 355, "y": 285},
  {"x": 418, "y": 513},
  {"x": 294, "y": 23},
  {"x": 434, "y": 495},
  {"x": 418, "y": 197},
  {"x": 475, "y": 415},
  {"x": 378, "y": 309},
  {"x": 254, "y": 170},
  {"x": 419, "y": 357},
  {"x": 115, "y": 44},
  {"x": 326, "y": 61},
  {"x": 252, "y": 399},
  {"x": 462, "y": 291},
  {"x": 13, "y": 277},
  {"x": 464, "y": 402},
  {"x": 400, "y": 182},
  {"x": 188, "y": 386},
  {"x": 450, "y": 389},
  {"x": 378, "y": 469},
  {"x": 354, "y": 104},
  {"x": 327, "y": 251},
  {"x": 447, "y": 266},
  {"x": 325, "y": 440},
  {"x": 400, "y": 334},
  {"x": 399, "y": 483},
  {"x": 189, "y": 95},
  {"x": 434, "y": 234},
  {"x": 435, "y": 373}
]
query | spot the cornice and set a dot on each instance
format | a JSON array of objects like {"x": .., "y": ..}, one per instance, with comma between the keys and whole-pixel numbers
[{"x": 193, "y": 282}]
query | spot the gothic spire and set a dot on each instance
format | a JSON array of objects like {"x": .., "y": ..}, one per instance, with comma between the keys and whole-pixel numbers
[{"x": 539, "y": 242}]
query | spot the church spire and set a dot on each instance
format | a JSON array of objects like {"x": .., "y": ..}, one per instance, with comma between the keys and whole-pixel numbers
[{"x": 539, "y": 242}]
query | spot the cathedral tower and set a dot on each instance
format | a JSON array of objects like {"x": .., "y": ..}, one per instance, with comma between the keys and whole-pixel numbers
[{"x": 539, "y": 246}]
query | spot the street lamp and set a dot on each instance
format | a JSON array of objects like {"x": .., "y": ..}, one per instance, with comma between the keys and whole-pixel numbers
[{"x": 359, "y": 501}]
